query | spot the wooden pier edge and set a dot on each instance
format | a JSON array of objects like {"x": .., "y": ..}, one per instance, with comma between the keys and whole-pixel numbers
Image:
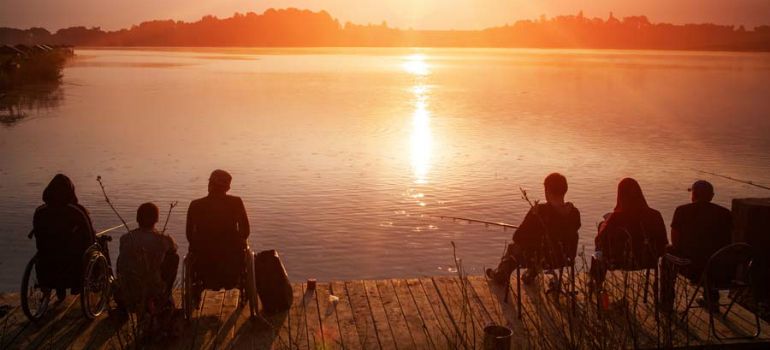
[{"x": 440, "y": 312}]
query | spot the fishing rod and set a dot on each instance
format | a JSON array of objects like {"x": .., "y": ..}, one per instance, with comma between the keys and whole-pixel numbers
[
  {"x": 455, "y": 218},
  {"x": 107, "y": 199},
  {"x": 100, "y": 233},
  {"x": 171, "y": 207},
  {"x": 747, "y": 182},
  {"x": 32, "y": 233}
]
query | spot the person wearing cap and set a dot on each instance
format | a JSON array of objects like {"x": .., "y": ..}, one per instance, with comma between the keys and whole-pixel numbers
[
  {"x": 217, "y": 230},
  {"x": 698, "y": 230},
  {"x": 147, "y": 265}
]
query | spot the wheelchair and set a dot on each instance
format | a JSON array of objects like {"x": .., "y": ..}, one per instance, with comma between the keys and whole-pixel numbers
[
  {"x": 194, "y": 284},
  {"x": 96, "y": 286}
]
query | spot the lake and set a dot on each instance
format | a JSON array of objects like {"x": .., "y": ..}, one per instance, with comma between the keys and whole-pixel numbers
[{"x": 345, "y": 156}]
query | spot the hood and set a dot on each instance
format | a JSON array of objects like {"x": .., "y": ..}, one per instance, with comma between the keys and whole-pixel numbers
[{"x": 60, "y": 191}]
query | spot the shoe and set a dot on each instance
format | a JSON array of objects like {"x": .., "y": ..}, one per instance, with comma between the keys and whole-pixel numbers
[
  {"x": 529, "y": 277},
  {"x": 712, "y": 308},
  {"x": 492, "y": 275}
]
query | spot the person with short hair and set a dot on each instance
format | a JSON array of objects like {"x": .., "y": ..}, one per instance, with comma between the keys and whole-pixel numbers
[
  {"x": 147, "y": 264},
  {"x": 548, "y": 235},
  {"x": 698, "y": 230},
  {"x": 217, "y": 230}
]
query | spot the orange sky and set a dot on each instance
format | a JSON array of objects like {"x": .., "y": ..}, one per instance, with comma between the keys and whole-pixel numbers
[{"x": 419, "y": 14}]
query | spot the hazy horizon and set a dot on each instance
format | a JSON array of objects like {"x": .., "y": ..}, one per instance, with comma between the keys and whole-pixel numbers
[{"x": 426, "y": 15}]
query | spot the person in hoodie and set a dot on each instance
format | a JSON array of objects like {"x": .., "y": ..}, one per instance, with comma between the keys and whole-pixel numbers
[
  {"x": 631, "y": 219},
  {"x": 548, "y": 236},
  {"x": 63, "y": 232}
]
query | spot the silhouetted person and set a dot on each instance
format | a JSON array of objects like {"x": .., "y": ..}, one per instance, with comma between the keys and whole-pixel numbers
[
  {"x": 147, "y": 265},
  {"x": 632, "y": 219},
  {"x": 698, "y": 230},
  {"x": 548, "y": 234},
  {"x": 63, "y": 232},
  {"x": 217, "y": 229}
]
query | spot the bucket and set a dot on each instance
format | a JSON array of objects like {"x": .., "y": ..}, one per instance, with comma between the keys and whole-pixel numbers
[{"x": 497, "y": 337}]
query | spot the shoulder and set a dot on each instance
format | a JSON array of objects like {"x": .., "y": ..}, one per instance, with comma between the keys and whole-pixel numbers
[
  {"x": 573, "y": 209},
  {"x": 196, "y": 203},
  {"x": 79, "y": 210},
  {"x": 127, "y": 236},
  {"x": 41, "y": 209},
  {"x": 720, "y": 209},
  {"x": 235, "y": 200},
  {"x": 167, "y": 238},
  {"x": 684, "y": 208},
  {"x": 654, "y": 215}
]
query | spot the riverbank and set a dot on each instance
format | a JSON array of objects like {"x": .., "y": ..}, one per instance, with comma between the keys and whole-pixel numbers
[
  {"x": 428, "y": 312},
  {"x": 22, "y": 65}
]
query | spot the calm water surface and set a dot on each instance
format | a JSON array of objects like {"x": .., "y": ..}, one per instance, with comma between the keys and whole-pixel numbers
[{"x": 343, "y": 155}]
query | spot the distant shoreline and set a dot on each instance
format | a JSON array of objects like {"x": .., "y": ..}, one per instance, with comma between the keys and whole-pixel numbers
[
  {"x": 293, "y": 27},
  {"x": 279, "y": 48}
]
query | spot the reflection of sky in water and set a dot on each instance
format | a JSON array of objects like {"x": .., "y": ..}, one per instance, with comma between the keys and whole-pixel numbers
[{"x": 342, "y": 155}]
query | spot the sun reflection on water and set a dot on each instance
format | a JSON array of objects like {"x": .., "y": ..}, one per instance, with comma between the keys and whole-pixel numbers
[{"x": 421, "y": 135}]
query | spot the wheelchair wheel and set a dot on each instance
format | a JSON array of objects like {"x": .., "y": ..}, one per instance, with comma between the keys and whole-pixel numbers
[
  {"x": 251, "y": 284},
  {"x": 187, "y": 292},
  {"x": 96, "y": 286},
  {"x": 34, "y": 300}
]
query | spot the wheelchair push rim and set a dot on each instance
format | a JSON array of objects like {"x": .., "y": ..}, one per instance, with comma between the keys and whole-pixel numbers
[
  {"x": 187, "y": 302},
  {"x": 251, "y": 284},
  {"x": 97, "y": 282},
  {"x": 34, "y": 299}
]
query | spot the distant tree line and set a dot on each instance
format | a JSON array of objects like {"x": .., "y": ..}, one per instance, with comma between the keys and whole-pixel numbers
[{"x": 293, "y": 27}]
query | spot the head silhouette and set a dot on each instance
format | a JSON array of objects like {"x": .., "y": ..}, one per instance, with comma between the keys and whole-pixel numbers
[
  {"x": 219, "y": 182},
  {"x": 147, "y": 215},
  {"x": 630, "y": 196},
  {"x": 60, "y": 191},
  {"x": 555, "y": 187},
  {"x": 702, "y": 191}
]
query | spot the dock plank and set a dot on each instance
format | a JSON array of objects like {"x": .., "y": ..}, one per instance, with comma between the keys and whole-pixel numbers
[
  {"x": 437, "y": 333},
  {"x": 228, "y": 319},
  {"x": 315, "y": 334},
  {"x": 384, "y": 334},
  {"x": 413, "y": 320},
  {"x": 455, "y": 335},
  {"x": 395, "y": 316},
  {"x": 326, "y": 311},
  {"x": 297, "y": 327},
  {"x": 344, "y": 313},
  {"x": 426, "y": 313},
  {"x": 27, "y": 333},
  {"x": 362, "y": 315},
  {"x": 460, "y": 307}
]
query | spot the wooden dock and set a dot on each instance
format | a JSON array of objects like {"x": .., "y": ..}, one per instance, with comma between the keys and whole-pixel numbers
[{"x": 416, "y": 313}]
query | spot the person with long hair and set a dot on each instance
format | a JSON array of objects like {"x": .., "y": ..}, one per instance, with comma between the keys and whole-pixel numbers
[
  {"x": 633, "y": 236},
  {"x": 63, "y": 231}
]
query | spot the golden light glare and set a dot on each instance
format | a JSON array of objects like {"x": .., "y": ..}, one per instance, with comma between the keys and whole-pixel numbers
[
  {"x": 415, "y": 64},
  {"x": 421, "y": 136}
]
